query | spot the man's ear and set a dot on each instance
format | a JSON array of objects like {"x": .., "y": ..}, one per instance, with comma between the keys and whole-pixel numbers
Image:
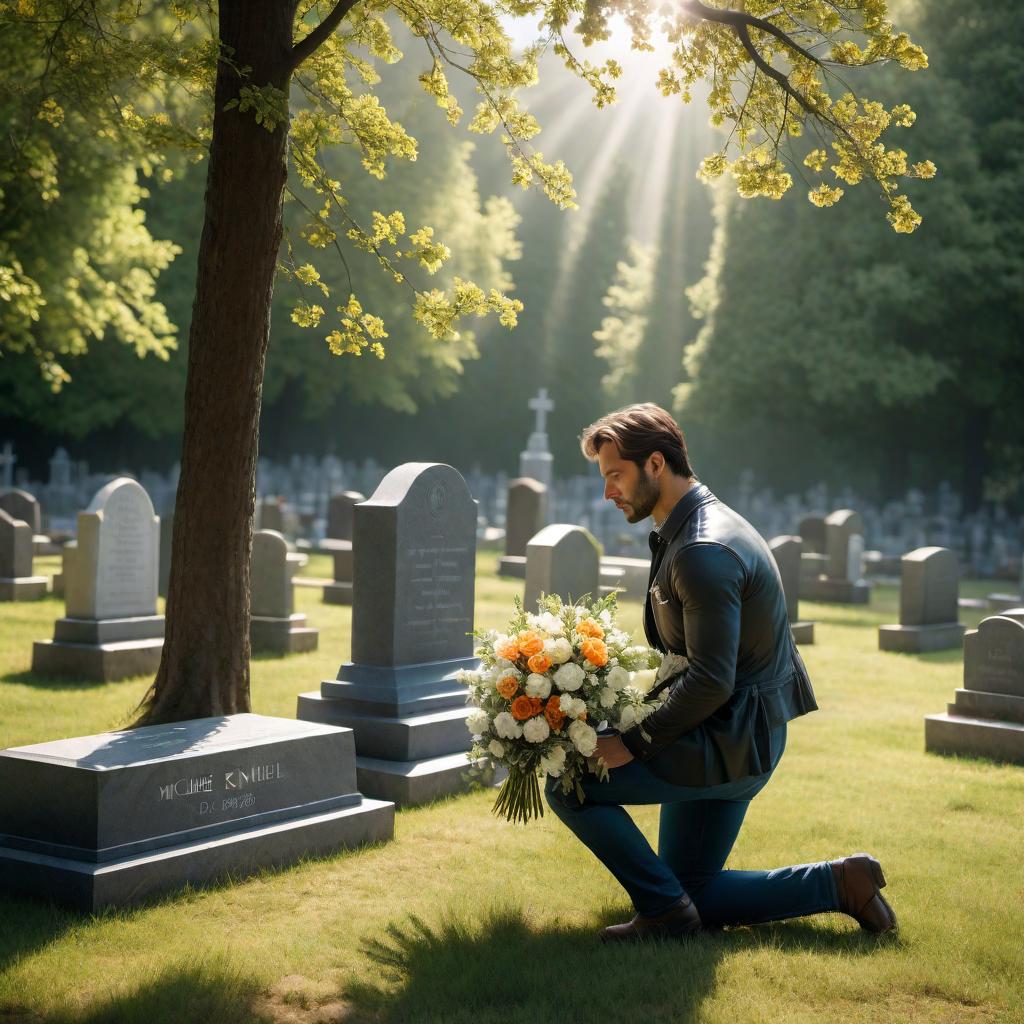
[{"x": 657, "y": 463}]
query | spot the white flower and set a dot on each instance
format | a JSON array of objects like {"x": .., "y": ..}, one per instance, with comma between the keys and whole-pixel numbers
[
  {"x": 627, "y": 717},
  {"x": 553, "y": 763},
  {"x": 605, "y": 618},
  {"x": 550, "y": 624},
  {"x": 584, "y": 739},
  {"x": 617, "y": 678},
  {"x": 506, "y": 726},
  {"x": 478, "y": 722},
  {"x": 644, "y": 680},
  {"x": 571, "y": 706},
  {"x": 569, "y": 676},
  {"x": 558, "y": 650},
  {"x": 536, "y": 730},
  {"x": 496, "y": 748},
  {"x": 538, "y": 686},
  {"x": 608, "y": 697},
  {"x": 592, "y": 679},
  {"x": 504, "y": 668}
]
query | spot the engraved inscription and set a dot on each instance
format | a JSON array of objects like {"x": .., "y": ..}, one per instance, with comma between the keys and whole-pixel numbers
[
  {"x": 227, "y": 793},
  {"x": 436, "y": 605}
]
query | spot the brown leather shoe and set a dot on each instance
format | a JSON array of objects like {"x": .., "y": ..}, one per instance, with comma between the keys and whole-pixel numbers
[
  {"x": 679, "y": 920},
  {"x": 859, "y": 881}
]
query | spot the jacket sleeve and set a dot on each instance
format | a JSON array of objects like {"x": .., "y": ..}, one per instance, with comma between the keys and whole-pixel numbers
[{"x": 708, "y": 581}]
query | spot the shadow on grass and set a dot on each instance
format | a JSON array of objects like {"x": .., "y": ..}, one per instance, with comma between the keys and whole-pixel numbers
[
  {"x": 504, "y": 969},
  {"x": 39, "y": 682},
  {"x": 193, "y": 991}
]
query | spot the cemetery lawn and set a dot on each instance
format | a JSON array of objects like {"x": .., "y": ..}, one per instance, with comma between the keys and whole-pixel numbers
[{"x": 465, "y": 918}]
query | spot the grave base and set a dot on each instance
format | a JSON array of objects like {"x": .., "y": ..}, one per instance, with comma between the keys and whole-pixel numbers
[
  {"x": 91, "y": 886},
  {"x": 408, "y": 737},
  {"x": 920, "y": 639},
  {"x": 23, "y": 588},
  {"x": 834, "y": 591},
  {"x": 803, "y": 632},
  {"x": 1002, "y": 602},
  {"x": 974, "y": 737},
  {"x": 338, "y": 592},
  {"x": 1003, "y": 707},
  {"x": 282, "y": 636},
  {"x": 43, "y": 545},
  {"x": 103, "y": 662},
  {"x": 409, "y": 783},
  {"x": 512, "y": 566}
]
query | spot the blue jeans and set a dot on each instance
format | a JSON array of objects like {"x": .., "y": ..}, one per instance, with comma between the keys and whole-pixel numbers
[{"x": 699, "y": 826}]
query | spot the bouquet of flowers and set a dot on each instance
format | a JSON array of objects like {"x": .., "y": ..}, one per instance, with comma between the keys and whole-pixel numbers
[{"x": 543, "y": 690}]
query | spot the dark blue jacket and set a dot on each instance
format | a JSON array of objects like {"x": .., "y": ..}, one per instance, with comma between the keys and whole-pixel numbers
[{"x": 715, "y": 595}]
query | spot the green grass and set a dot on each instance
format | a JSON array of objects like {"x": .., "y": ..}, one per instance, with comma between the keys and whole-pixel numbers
[{"x": 467, "y": 919}]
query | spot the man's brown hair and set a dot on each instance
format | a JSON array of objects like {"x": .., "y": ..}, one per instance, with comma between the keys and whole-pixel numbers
[{"x": 638, "y": 431}]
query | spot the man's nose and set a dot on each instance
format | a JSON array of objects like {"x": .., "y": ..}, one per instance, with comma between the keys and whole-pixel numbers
[{"x": 610, "y": 492}]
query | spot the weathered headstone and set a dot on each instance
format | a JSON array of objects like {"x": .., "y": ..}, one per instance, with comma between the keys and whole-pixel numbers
[
  {"x": 811, "y": 530},
  {"x": 275, "y": 626},
  {"x": 787, "y": 551},
  {"x": 841, "y": 581},
  {"x": 537, "y": 461},
  {"x": 19, "y": 504},
  {"x": 526, "y": 512},
  {"x": 16, "y": 580},
  {"x": 929, "y": 586},
  {"x": 1000, "y": 602},
  {"x": 68, "y": 553},
  {"x": 340, "y": 520},
  {"x": 987, "y": 717},
  {"x": 111, "y": 629},
  {"x": 414, "y": 546},
  {"x": 114, "y": 819},
  {"x": 563, "y": 560}
]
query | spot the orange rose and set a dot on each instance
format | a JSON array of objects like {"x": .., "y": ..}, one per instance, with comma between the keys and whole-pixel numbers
[
  {"x": 595, "y": 652},
  {"x": 590, "y": 627},
  {"x": 539, "y": 663},
  {"x": 529, "y": 643},
  {"x": 525, "y": 707},
  {"x": 554, "y": 714},
  {"x": 507, "y": 651},
  {"x": 507, "y": 687}
]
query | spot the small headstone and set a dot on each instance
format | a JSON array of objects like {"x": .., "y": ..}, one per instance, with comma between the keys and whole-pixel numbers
[
  {"x": 840, "y": 580},
  {"x": 115, "y": 819},
  {"x": 929, "y": 585},
  {"x": 340, "y": 524},
  {"x": 111, "y": 629},
  {"x": 16, "y": 580},
  {"x": 628, "y": 576},
  {"x": 526, "y": 512},
  {"x": 787, "y": 551},
  {"x": 68, "y": 553},
  {"x": 811, "y": 530},
  {"x": 340, "y": 514},
  {"x": 414, "y": 545},
  {"x": 563, "y": 560},
  {"x": 275, "y": 626},
  {"x": 21, "y": 505},
  {"x": 986, "y": 718},
  {"x": 537, "y": 461}
]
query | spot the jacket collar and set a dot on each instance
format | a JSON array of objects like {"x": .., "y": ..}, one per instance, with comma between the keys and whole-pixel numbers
[{"x": 696, "y": 496}]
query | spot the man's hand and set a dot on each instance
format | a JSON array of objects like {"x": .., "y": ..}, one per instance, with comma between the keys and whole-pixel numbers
[{"x": 612, "y": 751}]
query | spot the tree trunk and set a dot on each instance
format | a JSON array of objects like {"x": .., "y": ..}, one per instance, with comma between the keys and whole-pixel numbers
[{"x": 205, "y": 665}]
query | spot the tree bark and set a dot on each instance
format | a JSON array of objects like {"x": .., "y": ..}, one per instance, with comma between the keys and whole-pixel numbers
[{"x": 204, "y": 669}]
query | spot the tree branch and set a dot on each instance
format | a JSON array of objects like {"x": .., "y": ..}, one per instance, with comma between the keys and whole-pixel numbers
[{"x": 310, "y": 44}]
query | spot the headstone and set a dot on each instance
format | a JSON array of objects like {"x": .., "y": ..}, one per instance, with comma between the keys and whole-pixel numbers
[
  {"x": 111, "y": 629},
  {"x": 340, "y": 520},
  {"x": 1000, "y": 602},
  {"x": 275, "y": 626},
  {"x": 986, "y": 718},
  {"x": 115, "y": 819},
  {"x": 68, "y": 553},
  {"x": 628, "y": 576},
  {"x": 414, "y": 546},
  {"x": 526, "y": 512},
  {"x": 563, "y": 560},
  {"x": 787, "y": 551},
  {"x": 16, "y": 580},
  {"x": 929, "y": 585},
  {"x": 537, "y": 461},
  {"x": 841, "y": 581},
  {"x": 21, "y": 505},
  {"x": 811, "y": 530}
]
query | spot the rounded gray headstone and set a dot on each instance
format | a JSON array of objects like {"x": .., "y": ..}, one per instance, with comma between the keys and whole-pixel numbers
[
  {"x": 787, "y": 551},
  {"x": 15, "y": 547},
  {"x": 563, "y": 560},
  {"x": 994, "y": 656},
  {"x": 21, "y": 505},
  {"x": 840, "y": 526},
  {"x": 525, "y": 513},
  {"x": 929, "y": 587},
  {"x": 270, "y": 579},
  {"x": 340, "y": 514},
  {"x": 811, "y": 530}
]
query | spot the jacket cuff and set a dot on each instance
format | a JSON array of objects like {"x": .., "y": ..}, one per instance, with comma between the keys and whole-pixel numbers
[{"x": 637, "y": 745}]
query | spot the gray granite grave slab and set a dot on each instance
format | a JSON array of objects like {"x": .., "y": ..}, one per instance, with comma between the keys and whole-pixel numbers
[
  {"x": 986, "y": 719},
  {"x": 275, "y": 627},
  {"x": 16, "y": 580},
  {"x": 414, "y": 565},
  {"x": 409, "y": 783},
  {"x": 840, "y": 526},
  {"x": 19, "y": 504},
  {"x": 117, "y": 818},
  {"x": 525, "y": 515},
  {"x": 630, "y": 576},
  {"x": 340, "y": 517},
  {"x": 339, "y": 590},
  {"x": 564, "y": 560},
  {"x": 787, "y": 551},
  {"x": 110, "y": 580},
  {"x": 929, "y": 584},
  {"x": 811, "y": 530}
]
